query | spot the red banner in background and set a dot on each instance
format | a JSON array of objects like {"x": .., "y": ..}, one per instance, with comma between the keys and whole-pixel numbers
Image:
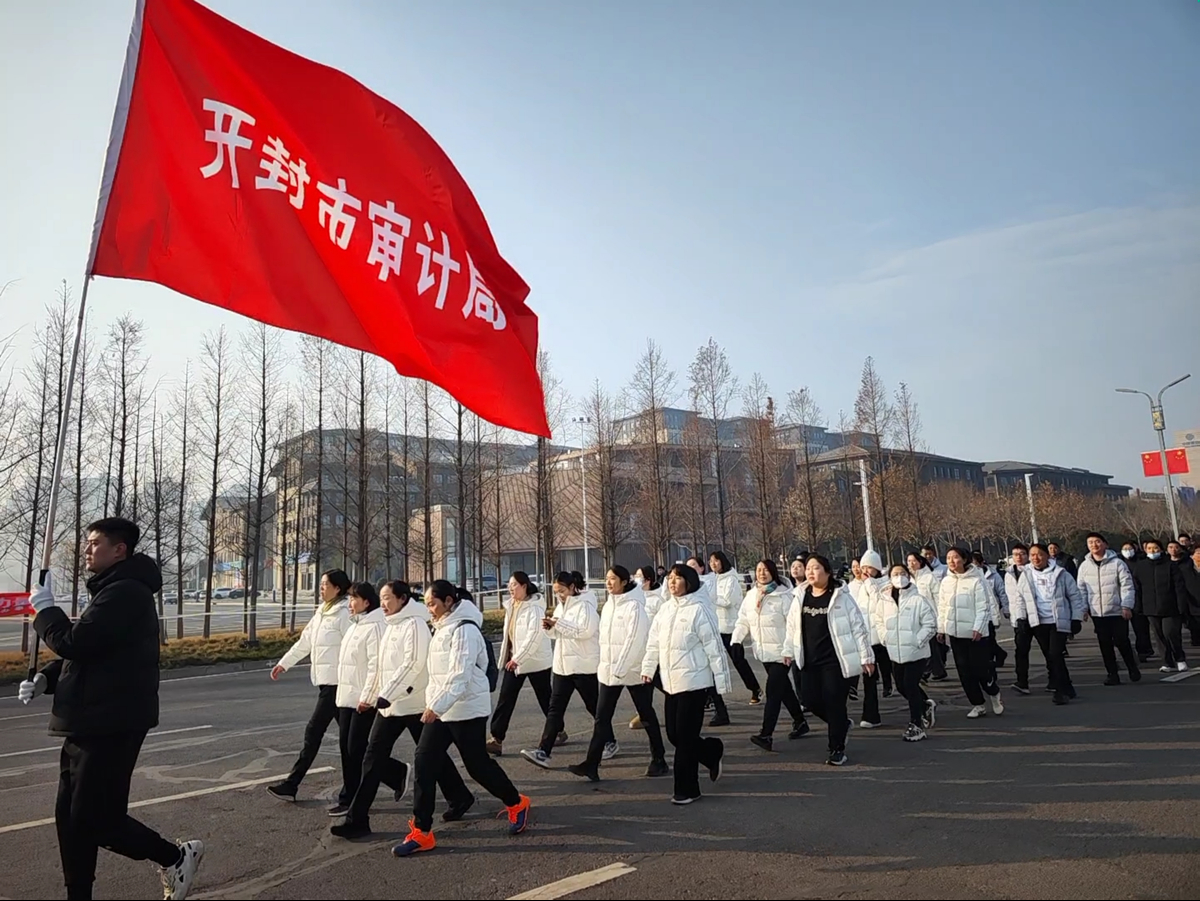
[
  {"x": 1177, "y": 463},
  {"x": 252, "y": 179},
  {"x": 15, "y": 603}
]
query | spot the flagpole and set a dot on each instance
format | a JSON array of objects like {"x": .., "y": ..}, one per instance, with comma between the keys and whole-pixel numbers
[{"x": 64, "y": 418}]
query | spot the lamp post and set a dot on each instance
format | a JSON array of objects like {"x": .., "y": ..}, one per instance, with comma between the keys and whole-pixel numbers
[
  {"x": 866, "y": 502},
  {"x": 582, "y": 422},
  {"x": 1160, "y": 425}
]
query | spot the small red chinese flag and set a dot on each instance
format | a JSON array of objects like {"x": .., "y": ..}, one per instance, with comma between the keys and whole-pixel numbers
[
  {"x": 1152, "y": 464},
  {"x": 15, "y": 603},
  {"x": 1177, "y": 461},
  {"x": 255, "y": 180}
]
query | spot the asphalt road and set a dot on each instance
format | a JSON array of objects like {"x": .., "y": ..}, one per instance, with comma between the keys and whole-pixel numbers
[{"x": 1100, "y": 799}]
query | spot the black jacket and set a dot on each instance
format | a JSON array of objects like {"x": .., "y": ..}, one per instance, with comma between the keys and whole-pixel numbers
[
  {"x": 1189, "y": 587},
  {"x": 1158, "y": 587},
  {"x": 106, "y": 681}
]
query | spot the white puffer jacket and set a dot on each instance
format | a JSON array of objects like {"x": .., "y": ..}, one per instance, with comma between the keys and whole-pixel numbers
[
  {"x": 1106, "y": 585},
  {"x": 624, "y": 631},
  {"x": 577, "y": 635},
  {"x": 404, "y": 660},
  {"x": 849, "y": 631},
  {"x": 654, "y": 599},
  {"x": 728, "y": 594},
  {"x": 906, "y": 625},
  {"x": 995, "y": 605},
  {"x": 929, "y": 584},
  {"x": 358, "y": 660},
  {"x": 458, "y": 686},
  {"x": 867, "y": 597},
  {"x": 532, "y": 649},
  {"x": 685, "y": 647},
  {"x": 762, "y": 625},
  {"x": 963, "y": 605},
  {"x": 321, "y": 642},
  {"x": 1065, "y": 597}
]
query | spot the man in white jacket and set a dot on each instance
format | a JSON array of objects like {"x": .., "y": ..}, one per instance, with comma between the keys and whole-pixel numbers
[
  {"x": 321, "y": 643},
  {"x": 1107, "y": 587},
  {"x": 1049, "y": 603}
]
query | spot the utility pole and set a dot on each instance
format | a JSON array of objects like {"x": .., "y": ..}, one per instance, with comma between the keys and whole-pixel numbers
[
  {"x": 1160, "y": 425},
  {"x": 582, "y": 422}
]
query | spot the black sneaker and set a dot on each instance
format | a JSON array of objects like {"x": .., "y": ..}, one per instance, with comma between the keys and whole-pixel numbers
[
  {"x": 351, "y": 829},
  {"x": 714, "y": 771},
  {"x": 1135, "y": 675},
  {"x": 458, "y": 811},
  {"x": 762, "y": 741},
  {"x": 338, "y": 810},
  {"x": 888, "y": 692},
  {"x": 941, "y": 678},
  {"x": 852, "y": 694},
  {"x": 398, "y": 794},
  {"x": 681, "y": 800},
  {"x": 1021, "y": 689},
  {"x": 837, "y": 758},
  {"x": 282, "y": 791},
  {"x": 1113, "y": 679},
  {"x": 584, "y": 771},
  {"x": 658, "y": 768},
  {"x": 1060, "y": 699},
  {"x": 755, "y": 699},
  {"x": 718, "y": 721},
  {"x": 800, "y": 729}
]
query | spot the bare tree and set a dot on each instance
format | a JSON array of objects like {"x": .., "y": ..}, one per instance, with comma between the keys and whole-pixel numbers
[
  {"x": 908, "y": 438},
  {"x": 875, "y": 416},
  {"x": 763, "y": 460},
  {"x": 617, "y": 492},
  {"x": 316, "y": 350},
  {"x": 651, "y": 390},
  {"x": 261, "y": 353},
  {"x": 159, "y": 500},
  {"x": 714, "y": 387},
  {"x": 805, "y": 416},
  {"x": 124, "y": 367},
  {"x": 184, "y": 413},
  {"x": 215, "y": 359}
]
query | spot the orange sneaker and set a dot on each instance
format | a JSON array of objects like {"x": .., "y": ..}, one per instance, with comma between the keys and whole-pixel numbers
[
  {"x": 518, "y": 816},
  {"x": 416, "y": 842}
]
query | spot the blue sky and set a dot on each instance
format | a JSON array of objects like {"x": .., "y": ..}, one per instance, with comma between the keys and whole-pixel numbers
[{"x": 998, "y": 201}]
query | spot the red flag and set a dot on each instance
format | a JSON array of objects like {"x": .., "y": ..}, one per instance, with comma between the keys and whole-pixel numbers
[
  {"x": 1152, "y": 464},
  {"x": 250, "y": 178},
  {"x": 1177, "y": 461},
  {"x": 15, "y": 603}
]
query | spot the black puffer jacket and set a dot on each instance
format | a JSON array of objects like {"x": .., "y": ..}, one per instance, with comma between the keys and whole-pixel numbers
[
  {"x": 1189, "y": 583},
  {"x": 1158, "y": 587},
  {"x": 106, "y": 681}
]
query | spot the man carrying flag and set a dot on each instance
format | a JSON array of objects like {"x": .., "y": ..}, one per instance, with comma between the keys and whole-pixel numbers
[{"x": 105, "y": 688}]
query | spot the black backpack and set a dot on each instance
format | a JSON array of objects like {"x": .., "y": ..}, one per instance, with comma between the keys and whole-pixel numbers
[{"x": 492, "y": 670}]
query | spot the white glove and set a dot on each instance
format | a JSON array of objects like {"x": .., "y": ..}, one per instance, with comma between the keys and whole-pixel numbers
[
  {"x": 42, "y": 597},
  {"x": 30, "y": 690}
]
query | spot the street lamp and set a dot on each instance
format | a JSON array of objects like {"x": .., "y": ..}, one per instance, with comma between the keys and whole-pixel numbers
[
  {"x": 583, "y": 422},
  {"x": 1160, "y": 425}
]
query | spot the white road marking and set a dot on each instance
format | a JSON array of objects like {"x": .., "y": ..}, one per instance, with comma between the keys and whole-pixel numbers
[
  {"x": 577, "y": 883},
  {"x": 1179, "y": 677},
  {"x": 23, "y": 716},
  {"x": 151, "y": 735},
  {"x": 151, "y": 802},
  {"x": 249, "y": 672}
]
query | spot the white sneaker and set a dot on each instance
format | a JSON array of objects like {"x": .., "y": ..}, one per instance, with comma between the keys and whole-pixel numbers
[
  {"x": 976, "y": 712},
  {"x": 930, "y": 719},
  {"x": 1167, "y": 669},
  {"x": 537, "y": 757},
  {"x": 997, "y": 704},
  {"x": 611, "y": 750},
  {"x": 1181, "y": 666},
  {"x": 177, "y": 880},
  {"x": 867, "y": 724}
]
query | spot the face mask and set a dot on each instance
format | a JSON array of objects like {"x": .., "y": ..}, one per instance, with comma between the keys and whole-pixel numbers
[
  {"x": 638, "y": 580},
  {"x": 900, "y": 581},
  {"x": 1154, "y": 555},
  {"x": 1128, "y": 553}
]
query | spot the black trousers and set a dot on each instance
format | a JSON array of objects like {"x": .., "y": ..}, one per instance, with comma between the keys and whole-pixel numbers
[
  {"x": 779, "y": 694},
  {"x": 908, "y": 681},
  {"x": 1054, "y": 646},
  {"x": 883, "y": 666},
  {"x": 1112, "y": 632},
  {"x": 323, "y": 714},
  {"x": 1169, "y": 630},
  {"x": 737, "y": 655},
  {"x": 358, "y": 736},
  {"x": 936, "y": 666},
  {"x": 563, "y": 688},
  {"x": 976, "y": 671},
  {"x": 380, "y": 767},
  {"x": 825, "y": 693},
  {"x": 1141, "y": 631},
  {"x": 685, "y": 720},
  {"x": 1023, "y": 642},
  {"x": 798, "y": 682},
  {"x": 606, "y": 707},
  {"x": 1194, "y": 628},
  {"x": 510, "y": 690},
  {"x": 999, "y": 655},
  {"x": 91, "y": 811},
  {"x": 470, "y": 737}
]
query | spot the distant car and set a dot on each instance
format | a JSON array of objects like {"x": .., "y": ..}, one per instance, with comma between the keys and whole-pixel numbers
[{"x": 222, "y": 594}]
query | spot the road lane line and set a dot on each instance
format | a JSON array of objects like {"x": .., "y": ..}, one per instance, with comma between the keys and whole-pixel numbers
[
  {"x": 576, "y": 883},
  {"x": 1179, "y": 677},
  {"x": 23, "y": 716},
  {"x": 59, "y": 747},
  {"x": 200, "y": 792}
]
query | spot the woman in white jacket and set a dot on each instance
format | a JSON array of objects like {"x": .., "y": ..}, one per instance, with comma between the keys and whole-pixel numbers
[
  {"x": 829, "y": 640},
  {"x": 525, "y": 653},
  {"x": 624, "y": 630},
  {"x": 762, "y": 628},
  {"x": 358, "y": 668},
  {"x": 684, "y": 647},
  {"x": 401, "y": 680},
  {"x": 575, "y": 628},
  {"x": 964, "y": 612},
  {"x": 458, "y": 700},
  {"x": 729, "y": 591},
  {"x": 873, "y": 583},
  {"x": 321, "y": 643},
  {"x": 906, "y": 622},
  {"x": 929, "y": 583}
]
